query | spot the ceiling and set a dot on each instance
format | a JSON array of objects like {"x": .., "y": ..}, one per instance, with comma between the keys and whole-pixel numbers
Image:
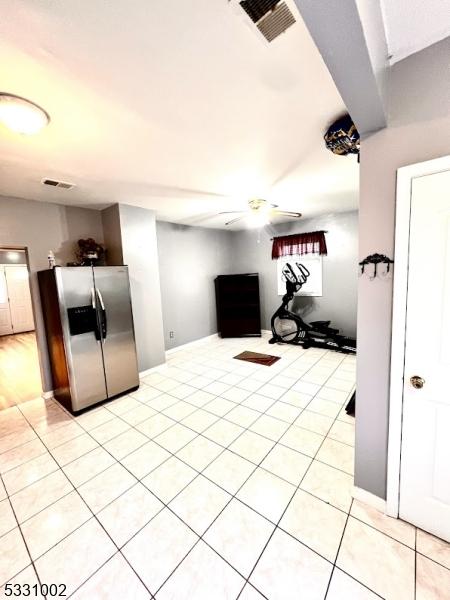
[
  {"x": 175, "y": 106},
  {"x": 412, "y": 25}
]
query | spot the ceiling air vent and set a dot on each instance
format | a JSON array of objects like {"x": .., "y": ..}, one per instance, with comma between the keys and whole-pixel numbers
[
  {"x": 60, "y": 184},
  {"x": 271, "y": 17}
]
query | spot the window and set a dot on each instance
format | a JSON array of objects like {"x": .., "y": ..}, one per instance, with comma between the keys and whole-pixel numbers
[{"x": 313, "y": 262}]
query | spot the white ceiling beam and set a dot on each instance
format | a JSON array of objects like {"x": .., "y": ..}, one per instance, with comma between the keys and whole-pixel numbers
[{"x": 351, "y": 39}]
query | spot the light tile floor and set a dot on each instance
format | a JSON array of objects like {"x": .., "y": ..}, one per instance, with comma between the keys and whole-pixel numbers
[{"x": 217, "y": 479}]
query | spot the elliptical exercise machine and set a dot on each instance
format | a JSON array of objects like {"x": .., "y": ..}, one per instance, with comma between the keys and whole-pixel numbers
[{"x": 289, "y": 328}]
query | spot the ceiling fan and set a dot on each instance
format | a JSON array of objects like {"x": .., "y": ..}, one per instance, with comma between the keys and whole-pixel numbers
[{"x": 259, "y": 213}]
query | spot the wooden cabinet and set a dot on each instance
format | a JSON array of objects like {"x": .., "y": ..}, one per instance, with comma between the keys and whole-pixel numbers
[{"x": 238, "y": 308}]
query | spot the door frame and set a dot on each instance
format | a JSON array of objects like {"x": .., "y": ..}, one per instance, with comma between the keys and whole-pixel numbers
[
  {"x": 37, "y": 333},
  {"x": 405, "y": 176},
  {"x": 32, "y": 321}
]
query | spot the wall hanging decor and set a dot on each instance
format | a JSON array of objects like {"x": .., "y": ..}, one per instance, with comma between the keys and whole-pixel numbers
[
  {"x": 342, "y": 137},
  {"x": 376, "y": 259}
]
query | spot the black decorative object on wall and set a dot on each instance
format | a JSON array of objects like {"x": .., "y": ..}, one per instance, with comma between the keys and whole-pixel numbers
[
  {"x": 376, "y": 259},
  {"x": 342, "y": 137}
]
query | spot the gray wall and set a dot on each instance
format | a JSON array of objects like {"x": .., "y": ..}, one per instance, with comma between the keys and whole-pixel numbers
[
  {"x": 189, "y": 260},
  {"x": 140, "y": 253},
  {"x": 419, "y": 87},
  {"x": 252, "y": 253},
  {"x": 112, "y": 235},
  {"x": 415, "y": 135},
  {"x": 40, "y": 227}
]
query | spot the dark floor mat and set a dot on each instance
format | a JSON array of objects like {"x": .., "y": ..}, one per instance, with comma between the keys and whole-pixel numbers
[{"x": 259, "y": 359}]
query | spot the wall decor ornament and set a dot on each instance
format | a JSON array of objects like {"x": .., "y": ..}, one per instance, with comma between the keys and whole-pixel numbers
[
  {"x": 342, "y": 137},
  {"x": 376, "y": 259}
]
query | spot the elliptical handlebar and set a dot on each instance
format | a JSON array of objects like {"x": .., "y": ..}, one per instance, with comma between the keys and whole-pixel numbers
[
  {"x": 291, "y": 276},
  {"x": 304, "y": 273},
  {"x": 294, "y": 281}
]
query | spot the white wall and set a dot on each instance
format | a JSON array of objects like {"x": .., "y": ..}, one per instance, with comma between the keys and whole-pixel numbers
[
  {"x": 140, "y": 253},
  {"x": 40, "y": 227}
]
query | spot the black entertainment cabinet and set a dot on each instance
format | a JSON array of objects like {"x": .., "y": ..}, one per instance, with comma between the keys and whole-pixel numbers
[{"x": 238, "y": 308}]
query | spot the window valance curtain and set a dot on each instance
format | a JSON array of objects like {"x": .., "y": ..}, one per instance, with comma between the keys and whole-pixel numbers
[{"x": 300, "y": 243}]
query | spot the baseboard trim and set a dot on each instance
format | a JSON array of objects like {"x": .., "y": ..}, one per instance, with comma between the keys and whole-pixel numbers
[
  {"x": 160, "y": 367},
  {"x": 369, "y": 498},
  {"x": 47, "y": 395},
  {"x": 193, "y": 343}
]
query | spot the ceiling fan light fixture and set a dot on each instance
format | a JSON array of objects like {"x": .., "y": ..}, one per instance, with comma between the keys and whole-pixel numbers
[
  {"x": 21, "y": 115},
  {"x": 257, "y": 219},
  {"x": 259, "y": 213}
]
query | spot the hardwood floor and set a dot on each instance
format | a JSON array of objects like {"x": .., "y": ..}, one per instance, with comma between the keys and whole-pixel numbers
[{"x": 20, "y": 377}]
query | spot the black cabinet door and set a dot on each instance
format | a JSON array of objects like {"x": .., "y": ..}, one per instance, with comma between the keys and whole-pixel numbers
[{"x": 238, "y": 307}]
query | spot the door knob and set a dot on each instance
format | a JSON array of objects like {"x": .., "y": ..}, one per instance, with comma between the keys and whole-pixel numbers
[{"x": 417, "y": 382}]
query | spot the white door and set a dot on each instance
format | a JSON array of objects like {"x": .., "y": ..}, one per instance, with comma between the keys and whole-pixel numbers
[
  {"x": 5, "y": 315},
  {"x": 425, "y": 453},
  {"x": 19, "y": 298}
]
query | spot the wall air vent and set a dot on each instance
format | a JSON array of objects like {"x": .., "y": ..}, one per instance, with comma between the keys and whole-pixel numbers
[
  {"x": 271, "y": 17},
  {"x": 60, "y": 184}
]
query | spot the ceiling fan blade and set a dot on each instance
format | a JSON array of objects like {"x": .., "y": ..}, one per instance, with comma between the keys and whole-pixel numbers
[
  {"x": 287, "y": 213},
  {"x": 199, "y": 218},
  {"x": 235, "y": 220},
  {"x": 232, "y": 212}
]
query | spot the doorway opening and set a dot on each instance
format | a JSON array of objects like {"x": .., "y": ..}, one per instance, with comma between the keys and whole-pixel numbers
[{"x": 20, "y": 376}]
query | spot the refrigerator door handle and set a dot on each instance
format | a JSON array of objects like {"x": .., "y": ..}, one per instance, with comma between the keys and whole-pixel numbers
[
  {"x": 102, "y": 311},
  {"x": 102, "y": 304},
  {"x": 94, "y": 308}
]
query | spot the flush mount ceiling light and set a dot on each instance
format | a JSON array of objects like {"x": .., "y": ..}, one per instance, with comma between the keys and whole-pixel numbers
[{"x": 21, "y": 115}]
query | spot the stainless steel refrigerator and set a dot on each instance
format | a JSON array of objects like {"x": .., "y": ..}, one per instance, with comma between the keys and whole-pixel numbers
[{"x": 90, "y": 334}]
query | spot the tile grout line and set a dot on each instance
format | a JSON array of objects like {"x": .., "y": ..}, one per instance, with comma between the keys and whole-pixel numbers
[
  {"x": 101, "y": 525},
  {"x": 135, "y": 449},
  {"x": 277, "y": 526},
  {"x": 219, "y": 418},
  {"x": 231, "y": 499},
  {"x": 216, "y": 484},
  {"x": 177, "y": 516},
  {"x": 415, "y": 564},
  {"x": 197, "y": 408},
  {"x": 335, "y": 561},
  {"x": 161, "y": 393},
  {"x": 152, "y": 439},
  {"x": 26, "y": 546},
  {"x": 234, "y": 496},
  {"x": 166, "y": 506}
]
